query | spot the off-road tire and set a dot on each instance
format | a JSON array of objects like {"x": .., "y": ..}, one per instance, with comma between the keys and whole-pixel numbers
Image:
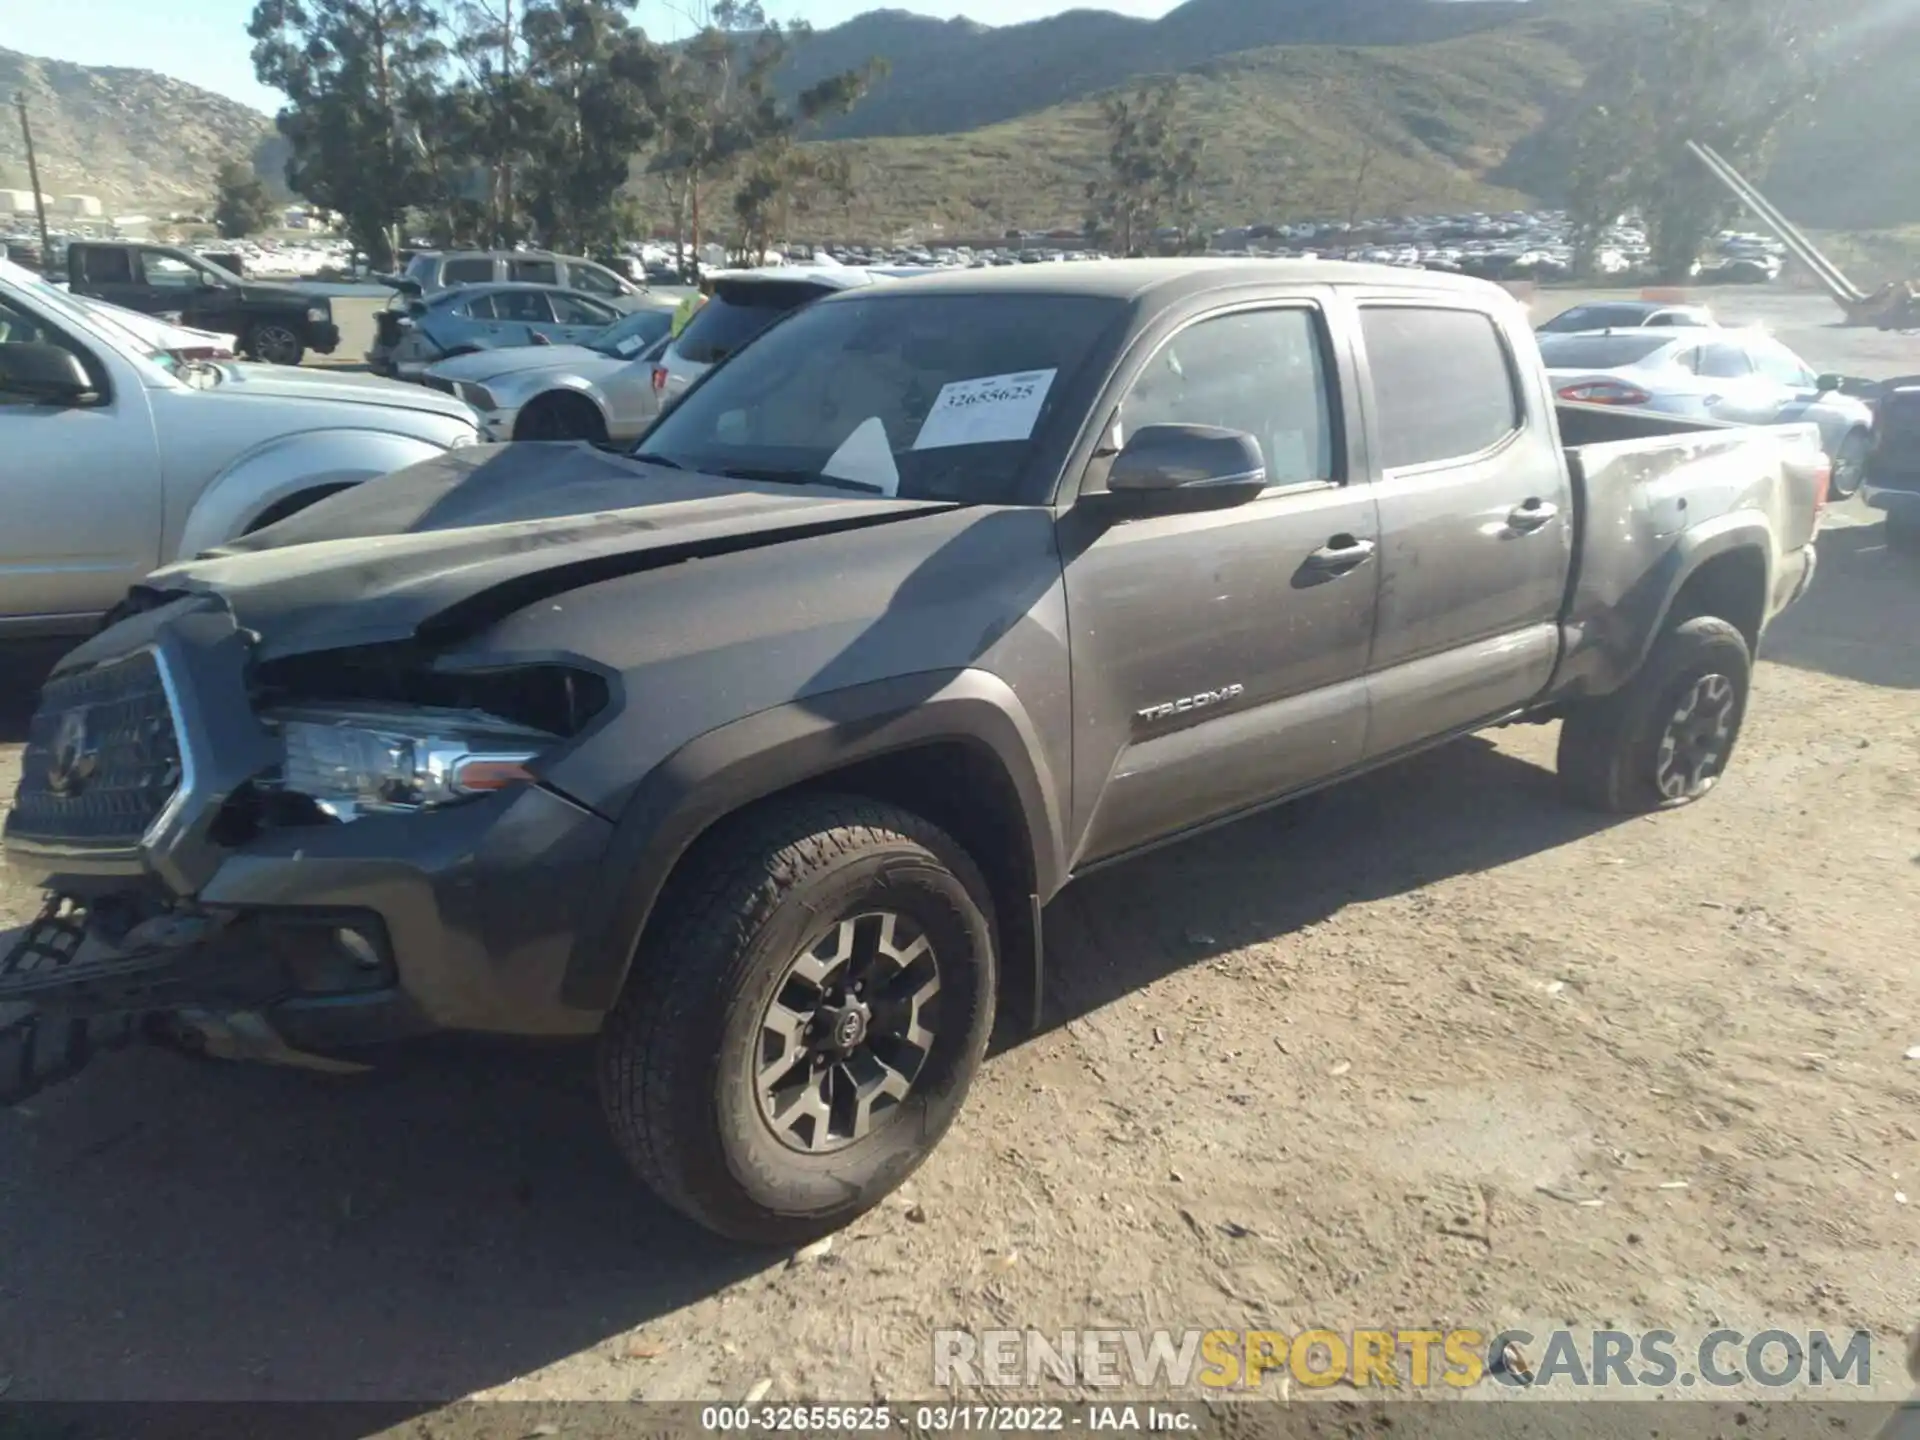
[
  {"x": 677, "y": 1054},
  {"x": 1610, "y": 747}
]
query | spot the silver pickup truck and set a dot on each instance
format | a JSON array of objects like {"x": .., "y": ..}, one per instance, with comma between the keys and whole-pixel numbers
[{"x": 121, "y": 457}]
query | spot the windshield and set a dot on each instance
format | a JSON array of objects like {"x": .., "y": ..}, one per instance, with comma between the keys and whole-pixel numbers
[
  {"x": 628, "y": 336},
  {"x": 1599, "y": 352},
  {"x": 922, "y": 396}
]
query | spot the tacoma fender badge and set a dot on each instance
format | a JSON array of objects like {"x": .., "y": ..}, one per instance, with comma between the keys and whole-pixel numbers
[{"x": 1205, "y": 700}]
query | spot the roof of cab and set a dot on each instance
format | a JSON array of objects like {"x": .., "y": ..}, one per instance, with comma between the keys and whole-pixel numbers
[{"x": 1173, "y": 279}]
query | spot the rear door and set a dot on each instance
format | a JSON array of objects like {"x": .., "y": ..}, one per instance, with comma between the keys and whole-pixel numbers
[
  {"x": 1219, "y": 660},
  {"x": 1735, "y": 391},
  {"x": 520, "y": 315},
  {"x": 1476, "y": 518},
  {"x": 108, "y": 272}
]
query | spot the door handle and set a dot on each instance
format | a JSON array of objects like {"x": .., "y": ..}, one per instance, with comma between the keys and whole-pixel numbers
[
  {"x": 1532, "y": 516},
  {"x": 1341, "y": 554}
]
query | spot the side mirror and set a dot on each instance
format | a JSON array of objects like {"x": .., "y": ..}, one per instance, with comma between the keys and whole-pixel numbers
[
  {"x": 1175, "y": 469},
  {"x": 47, "y": 373},
  {"x": 1829, "y": 383}
]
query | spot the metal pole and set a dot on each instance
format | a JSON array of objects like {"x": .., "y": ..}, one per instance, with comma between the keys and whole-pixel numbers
[{"x": 33, "y": 179}]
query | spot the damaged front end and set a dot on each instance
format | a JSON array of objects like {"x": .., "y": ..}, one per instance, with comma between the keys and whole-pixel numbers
[{"x": 288, "y": 861}]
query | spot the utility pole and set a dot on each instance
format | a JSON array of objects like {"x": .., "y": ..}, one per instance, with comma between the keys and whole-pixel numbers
[{"x": 33, "y": 179}]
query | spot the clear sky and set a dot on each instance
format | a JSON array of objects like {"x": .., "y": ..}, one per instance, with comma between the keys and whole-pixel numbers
[{"x": 204, "y": 42}]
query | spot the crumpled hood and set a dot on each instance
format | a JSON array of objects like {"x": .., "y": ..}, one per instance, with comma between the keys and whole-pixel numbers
[
  {"x": 451, "y": 544},
  {"x": 282, "y": 382},
  {"x": 484, "y": 365}
]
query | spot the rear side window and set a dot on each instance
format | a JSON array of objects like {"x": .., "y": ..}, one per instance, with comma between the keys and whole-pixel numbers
[
  {"x": 1722, "y": 362},
  {"x": 527, "y": 306},
  {"x": 480, "y": 307},
  {"x": 1443, "y": 387},
  {"x": 736, "y": 314},
  {"x": 474, "y": 270},
  {"x": 579, "y": 310},
  {"x": 534, "y": 272}
]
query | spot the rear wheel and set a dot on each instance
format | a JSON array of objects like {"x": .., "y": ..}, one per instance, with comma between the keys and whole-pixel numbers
[
  {"x": 272, "y": 343},
  {"x": 802, "y": 1026},
  {"x": 1666, "y": 738},
  {"x": 561, "y": 417}
]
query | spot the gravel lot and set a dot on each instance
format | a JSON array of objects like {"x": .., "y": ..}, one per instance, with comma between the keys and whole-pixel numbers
[{"x": 1310, "y": 1070}]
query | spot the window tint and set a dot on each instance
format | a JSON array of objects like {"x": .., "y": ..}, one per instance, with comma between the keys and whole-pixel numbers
[
  {"x": 480, "y": 307},
  {"x": 534, "y": 272},
  {"x": 1442, "y": 386},
  {"x": 593, "y": 280},
  {"x": 736, "y": 314},
  {"x": 529, "y": 307},
  {"x": 107, "y": 267},
  {"x": 1723, "y": 362},
  {"x": 579, "y": 310},
  {"x": 474, "y": 270},
  {"x": 1261, "y": 373},
  {"x": 1780, "y": 364}
]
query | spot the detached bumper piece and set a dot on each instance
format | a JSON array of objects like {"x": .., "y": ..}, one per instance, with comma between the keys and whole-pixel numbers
[{"x": 39, "y": 1048}]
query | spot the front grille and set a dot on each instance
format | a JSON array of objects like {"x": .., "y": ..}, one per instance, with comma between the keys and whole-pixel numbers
[{"x": 102, "y": 757}]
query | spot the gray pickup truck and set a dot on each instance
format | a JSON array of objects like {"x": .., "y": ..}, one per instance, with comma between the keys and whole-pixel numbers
[{"x": 757, "y": 753}]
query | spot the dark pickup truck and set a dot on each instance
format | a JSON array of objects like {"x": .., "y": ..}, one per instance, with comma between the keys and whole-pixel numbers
[
  {"x": 757, "y": 753},
  {"x": 277, "y": 324}
]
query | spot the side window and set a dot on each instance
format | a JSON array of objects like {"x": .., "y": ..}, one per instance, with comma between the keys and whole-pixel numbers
[
  {"x": 594, "y": 280},
  {"x": 1262, "y": 372},
  {"x": 529, "y": 307},
  {"x": 473, "y": 270},
  {"x": 1443, "y": 386},
  {"x": 167, "y": 273},
  {"x": 480, "y": 307},
  {"x": 20, "y": 326},
  {"x": 107, "y": 267},
  {"x": 1724, "y": 362},
  {"x": 579, "y": 310},
  {"x": 534, "y": 272}
]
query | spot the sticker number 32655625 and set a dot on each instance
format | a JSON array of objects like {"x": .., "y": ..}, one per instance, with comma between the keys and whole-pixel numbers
[{"x": 981, "y": 412}]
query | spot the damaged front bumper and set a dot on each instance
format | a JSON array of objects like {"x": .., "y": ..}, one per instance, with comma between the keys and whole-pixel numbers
[{"x": 174, "y": 913}]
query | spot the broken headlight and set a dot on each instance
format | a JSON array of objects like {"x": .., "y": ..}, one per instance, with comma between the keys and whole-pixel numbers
[{"x": 370, "y": 760}]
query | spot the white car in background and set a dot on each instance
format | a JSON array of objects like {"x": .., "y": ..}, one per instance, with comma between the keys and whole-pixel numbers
[{"x": 1742, "y": 377}]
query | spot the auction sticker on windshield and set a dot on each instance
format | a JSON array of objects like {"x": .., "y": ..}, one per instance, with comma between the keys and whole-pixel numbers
[{"x": 986, "y": 411}]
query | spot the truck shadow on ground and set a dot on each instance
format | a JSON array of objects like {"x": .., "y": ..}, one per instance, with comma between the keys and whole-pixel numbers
[
  {"x": 444, "y": 1226},
  {"x": 1458, "y": 810},
  {"x": 1861, "y": 619}
]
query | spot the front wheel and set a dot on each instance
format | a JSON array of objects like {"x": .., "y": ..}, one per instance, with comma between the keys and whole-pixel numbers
[
  {"x": 1665, "y": 739},
  {"x": 1849, "y": 466},
  {"x": 275, "y": 344},
  {"x": 804, "y": 1018}
]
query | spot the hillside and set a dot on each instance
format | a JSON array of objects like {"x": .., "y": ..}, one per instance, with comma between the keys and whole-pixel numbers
[
  {"x": 983, "y": 128},
  {"x": 954, "y": 75},
  {"x": 1288, "y": 129},
  {"x": 131, "y": 137}
]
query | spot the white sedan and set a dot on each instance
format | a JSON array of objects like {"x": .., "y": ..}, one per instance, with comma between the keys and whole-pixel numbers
[{"x": 1743, "y": 377}]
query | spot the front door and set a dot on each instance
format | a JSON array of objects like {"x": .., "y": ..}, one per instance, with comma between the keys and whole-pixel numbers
[
  {"x": 1476, "y": 519},
  {"x": 1219, "y": 660},
  {"x": 79, "y": 489}
]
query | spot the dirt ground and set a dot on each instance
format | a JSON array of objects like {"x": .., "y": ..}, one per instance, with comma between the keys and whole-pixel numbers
[{"x": 1312, "y": 1070}]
